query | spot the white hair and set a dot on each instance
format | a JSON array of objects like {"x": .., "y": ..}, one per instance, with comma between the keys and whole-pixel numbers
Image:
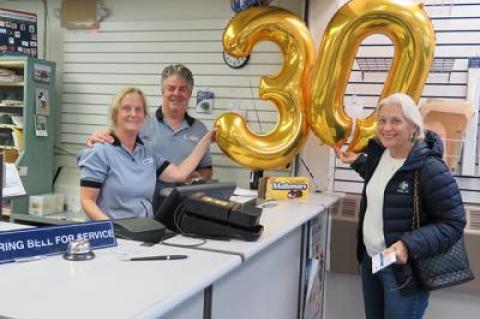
[{"x": 410, "y": 111}]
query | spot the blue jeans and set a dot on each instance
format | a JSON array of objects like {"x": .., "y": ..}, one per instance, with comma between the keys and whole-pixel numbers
[{"x": 382, "y": 298}]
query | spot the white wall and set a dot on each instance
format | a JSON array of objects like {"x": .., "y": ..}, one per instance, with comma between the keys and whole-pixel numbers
[{"x": 157, "y": 10}]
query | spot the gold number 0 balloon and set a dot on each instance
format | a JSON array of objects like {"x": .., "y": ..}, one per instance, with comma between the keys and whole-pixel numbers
[
  {"x": 411, "y": 32},
  {"x": 287, "y": 90}
]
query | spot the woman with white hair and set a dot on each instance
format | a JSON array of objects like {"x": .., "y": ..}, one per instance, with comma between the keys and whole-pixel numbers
[{"x": 400, "y": 148}]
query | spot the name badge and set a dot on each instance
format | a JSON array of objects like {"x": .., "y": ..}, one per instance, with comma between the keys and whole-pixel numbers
[
  {"x": 148, "y": 161},
  {"x": 192, "y": 138}
]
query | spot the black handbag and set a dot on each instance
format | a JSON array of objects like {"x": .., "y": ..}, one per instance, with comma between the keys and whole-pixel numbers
[{"x": 442, "y": 270}]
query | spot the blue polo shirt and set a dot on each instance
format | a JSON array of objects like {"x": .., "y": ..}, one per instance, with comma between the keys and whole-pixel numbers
[
  {"x": 175, "y": 145},
  {"x": 126, "y": 180}
]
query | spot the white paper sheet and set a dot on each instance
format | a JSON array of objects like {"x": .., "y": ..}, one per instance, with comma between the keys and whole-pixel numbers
[{"x": 13, "y": 184}]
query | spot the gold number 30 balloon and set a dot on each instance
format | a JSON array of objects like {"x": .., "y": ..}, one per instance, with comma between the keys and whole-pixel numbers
[{"x": 405, "y": 23}]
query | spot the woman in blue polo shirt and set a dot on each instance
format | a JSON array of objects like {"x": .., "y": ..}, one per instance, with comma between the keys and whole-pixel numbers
[{"x": 118, "y": 180}]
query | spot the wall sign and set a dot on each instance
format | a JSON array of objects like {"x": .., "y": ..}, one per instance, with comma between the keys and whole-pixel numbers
[
  {"x": 205, "y": 101},
  {"x": 18, "y": 33}
]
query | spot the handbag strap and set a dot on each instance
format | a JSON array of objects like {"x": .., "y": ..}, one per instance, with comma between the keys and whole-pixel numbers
[{"x": 416, "y": 202}]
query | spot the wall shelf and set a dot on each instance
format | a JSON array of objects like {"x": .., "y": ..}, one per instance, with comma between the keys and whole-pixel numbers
[{"x": 366, "y": 64}]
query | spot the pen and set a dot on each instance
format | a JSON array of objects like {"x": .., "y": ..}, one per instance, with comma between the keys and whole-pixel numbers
[
  {"x": 164, "y": 257},
  {"x": 22, "y": 259}
]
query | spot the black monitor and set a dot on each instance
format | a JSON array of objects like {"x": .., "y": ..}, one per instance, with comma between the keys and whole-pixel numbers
[{"x": 171, "y": 198}]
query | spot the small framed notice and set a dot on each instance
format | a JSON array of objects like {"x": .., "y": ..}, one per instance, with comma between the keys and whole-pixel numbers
[
  {"x": 42, "y": 72},
  {"x": 205, "y": 101},
  {"x": 41, "y": 125},
  {"x": 41, "y": 102}
]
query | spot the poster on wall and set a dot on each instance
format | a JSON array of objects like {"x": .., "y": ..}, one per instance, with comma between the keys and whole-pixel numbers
[
  {"x": 18, "y": 33},
  {"x": 42, "y": 72},
  {"x": 205, "y": 101},
  {"x": 240, "y": 5},
  {"x": 41, "y": 125},
  {"x": 41, "y": 102}
]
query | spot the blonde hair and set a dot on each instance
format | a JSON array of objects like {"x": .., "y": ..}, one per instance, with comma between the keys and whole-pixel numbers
[
  {"x": 410, "y": 111},
  {"x": 117, "y": 100}
]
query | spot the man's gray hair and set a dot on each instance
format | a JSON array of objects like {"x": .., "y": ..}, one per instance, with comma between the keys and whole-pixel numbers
[{"x": 179, "y": 70}]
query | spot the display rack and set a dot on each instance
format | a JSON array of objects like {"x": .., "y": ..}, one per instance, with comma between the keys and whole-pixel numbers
[
  {"x": 27, "y": 121},
  {"x": 367, "y": 64}
]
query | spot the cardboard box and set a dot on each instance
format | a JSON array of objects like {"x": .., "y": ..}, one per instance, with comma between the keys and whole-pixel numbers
[
  {"x": 45, "y": 204},
  {"x": 40, "y": 205},
  {"x": 449, "y": 119},
  {"x": 59, "y": 202},
  {"x": 287, "y": 188}
]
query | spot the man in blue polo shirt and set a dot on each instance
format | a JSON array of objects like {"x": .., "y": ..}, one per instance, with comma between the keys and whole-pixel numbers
[{"x": 172, "y": 132}]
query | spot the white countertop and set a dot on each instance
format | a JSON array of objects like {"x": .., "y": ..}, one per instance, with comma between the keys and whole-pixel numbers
[{"x": 107, "y": 287}]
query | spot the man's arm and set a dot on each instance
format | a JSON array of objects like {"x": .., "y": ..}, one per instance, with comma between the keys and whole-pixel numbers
[{"x": 182, "y": 171}]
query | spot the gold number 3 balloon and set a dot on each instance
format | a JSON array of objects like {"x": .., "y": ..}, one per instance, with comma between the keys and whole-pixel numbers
[
  {"x": 287, "y": 89},
  {"x": 405, "y": 23}
]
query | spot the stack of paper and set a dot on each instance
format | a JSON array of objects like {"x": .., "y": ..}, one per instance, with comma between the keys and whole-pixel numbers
[{"x": 13, "y": 184}]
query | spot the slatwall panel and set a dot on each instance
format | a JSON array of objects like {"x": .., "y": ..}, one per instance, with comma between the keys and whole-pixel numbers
[
  {"x": 97, "y": 64},
  {"x": 457, "y": 28}
]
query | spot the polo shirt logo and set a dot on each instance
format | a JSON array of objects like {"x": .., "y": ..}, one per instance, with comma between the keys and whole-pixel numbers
[
  {"x": 403, "y": 187},
  {"x": 191, "y": 138},
  {"x": 148, "y": 161}
]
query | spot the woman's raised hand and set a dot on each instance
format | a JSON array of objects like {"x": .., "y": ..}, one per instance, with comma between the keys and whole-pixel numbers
[
  {"x": 210, "y": 136},
  {"x": 345, "y": 156}
]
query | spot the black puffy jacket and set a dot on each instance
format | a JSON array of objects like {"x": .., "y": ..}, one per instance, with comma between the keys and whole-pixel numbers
[{"x": 442, "y": 214}]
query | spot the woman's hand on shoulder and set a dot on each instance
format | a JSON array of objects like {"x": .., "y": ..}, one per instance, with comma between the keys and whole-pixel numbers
[
  {"x": 345, "y": 156},
  {"x": 104, "y": 136}
]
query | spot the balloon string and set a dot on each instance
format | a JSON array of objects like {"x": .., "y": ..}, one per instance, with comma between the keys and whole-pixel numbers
[{"x": 254, "y": 99}]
